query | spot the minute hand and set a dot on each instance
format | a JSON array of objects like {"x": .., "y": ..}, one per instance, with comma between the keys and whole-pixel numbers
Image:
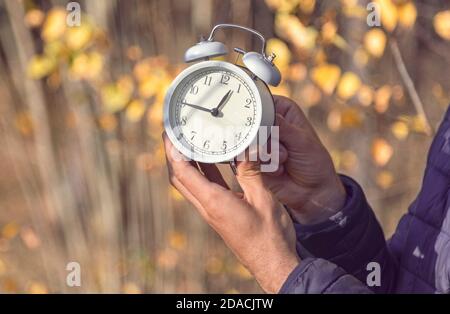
[{"x": 197, "y": 107}]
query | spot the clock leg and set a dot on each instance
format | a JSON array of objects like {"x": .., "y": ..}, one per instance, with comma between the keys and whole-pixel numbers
[{"x": 233, "y": 166}]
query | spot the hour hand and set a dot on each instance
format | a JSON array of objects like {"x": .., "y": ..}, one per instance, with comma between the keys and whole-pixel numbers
[
  {"x": 196, "y": 107},
  {"x": 223, "y": 101}
]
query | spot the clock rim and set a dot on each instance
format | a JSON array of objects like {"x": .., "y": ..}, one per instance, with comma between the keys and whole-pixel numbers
[{"x": 200, "y": 157}]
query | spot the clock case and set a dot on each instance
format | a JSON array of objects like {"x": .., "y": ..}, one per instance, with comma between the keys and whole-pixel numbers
[{"x": 259, "y": 69}]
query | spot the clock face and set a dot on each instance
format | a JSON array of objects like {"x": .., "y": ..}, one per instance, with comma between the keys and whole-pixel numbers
[{"x": 214, "y": 113}]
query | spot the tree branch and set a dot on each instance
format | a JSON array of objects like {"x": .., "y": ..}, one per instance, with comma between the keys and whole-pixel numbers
[{"x": 410, "y": 86}]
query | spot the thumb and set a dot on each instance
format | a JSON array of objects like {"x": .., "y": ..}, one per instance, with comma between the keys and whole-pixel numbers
[{"x": 251, "y": 181}]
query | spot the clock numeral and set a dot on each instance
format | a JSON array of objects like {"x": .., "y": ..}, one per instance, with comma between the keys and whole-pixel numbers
[
  {"x": 207, "y": 80},
  {"x": 224, "y": 80},
  {"x": 249, "y": 121},
  {"x": 224, "y": 146},
  {"x": 206, "y": 144},
  {"x": 237, "y": 137},
  {"x": 183, "y": 120},
  {"x": 248, "y": 101},
  {"x": 194, "y": 90},
  {"x": 193, "y": 133},
  {"x": 180, "y": 136},
  {"x": 238, "y": 89}
]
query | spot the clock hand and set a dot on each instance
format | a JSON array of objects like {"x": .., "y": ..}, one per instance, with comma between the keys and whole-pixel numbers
[
  {"x": 196, "y": 107},
  {"x": 223, "y": 101},
  {"x": 226, "y": 101}
]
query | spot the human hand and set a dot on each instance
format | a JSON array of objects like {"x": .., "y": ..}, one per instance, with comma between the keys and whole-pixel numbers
[
  {"x": 253, "y": 224},
  {"x": 306, "y": 180}
]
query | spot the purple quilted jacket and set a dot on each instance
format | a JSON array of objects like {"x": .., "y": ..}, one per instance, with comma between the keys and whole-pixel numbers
[{"x": 336, "y": 253}]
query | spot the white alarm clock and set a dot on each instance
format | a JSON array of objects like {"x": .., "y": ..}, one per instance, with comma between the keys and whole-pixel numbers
[{"x": 213, "y": 110}]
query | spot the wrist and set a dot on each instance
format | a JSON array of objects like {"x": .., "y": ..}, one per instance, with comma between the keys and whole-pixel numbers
[
  {"x": 274, "y": 275},
  {"x": 322, "y": 203}
]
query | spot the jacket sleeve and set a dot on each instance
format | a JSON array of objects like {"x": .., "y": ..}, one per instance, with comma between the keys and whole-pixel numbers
[
  {"x": 343, "y": 249},
  {"x": 319, "y": 276}
]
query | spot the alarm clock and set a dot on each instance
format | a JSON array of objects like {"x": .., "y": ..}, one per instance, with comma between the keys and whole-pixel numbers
[{"x": 213, "y": 110}]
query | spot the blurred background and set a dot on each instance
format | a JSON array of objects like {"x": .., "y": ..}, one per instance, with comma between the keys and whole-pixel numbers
[{"x": 82, "y": 169}]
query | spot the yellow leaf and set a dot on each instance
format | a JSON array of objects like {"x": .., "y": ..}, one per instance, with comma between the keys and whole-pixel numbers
[
  {"x": 116, "y": 96},
  {"x": 348, "y": 85},
  {"x": 214, "y": 265},
  {"x": 350, "y": 118},
  {"x": 242, "y": 272},
  {"x": 307, "y": 6},
  {"x": 24, "y": 123},
  {"x": 131, "y": 288},
  {"x": 400, "y": 130},
  {"x": 54, "y": 25},
  {"x": 125, "y": 84},
  {"x": 37, "y": 288},
  {"x": 418, "y": 124},
  {"x": 352, "y": 9},
  {"x": 334, "y": 120},
  {"x": 382, "y": 97},
  {"x": 407, "y": 14},
  {"x": 336, "y": 158},
  {"x": 385, "y": 179},
  {"x": 167, "y": 259},
  {"x": 365, "y": 95},
  {"x": 291, "y": 28},
  {"x": 34, "y": 18},
  {"x": 30, "y": 238},
  {"x": 177, "y": 196},
  {"x": 381, "y": 151},
  {"x": 296, "y": 72},
  {"x": 320, "y": 56},
  {"x": 310, "y": 95},
  {"x": 149, "y": 86},
  {"x": 145, "y": 161},
  {"x": 281, "y": 89},
  {"x": 340, "y": 42},
  {"x": 134, "y": 53},
  {"x": 142, "y": 69},
  {"x": 441, "y": 24},
  {"x": 375, "y": 42},
  {"x": 282, "y": 5},
  {"x": 155, "y": 114},
  {"x": 41, "y": 66},
  {"x": 135, "y": 110},
  {"x": 108, "y": 122},
  {"x": 87, "y": 66},
  {"x": 177, "y": 240},
  {"x": 10, "y": 285},
  {"x": 282, "y": 52},
  {"x": 79, "y": 37},
  {"x": 389, "y": 14},
  {"x": 328, "y": 31},
  {"x": 54, "y": 48},
  {"x": 10, "y": 230},
  {"x": 361, "y": 57},
  {"x": 326, "y": 77}
]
